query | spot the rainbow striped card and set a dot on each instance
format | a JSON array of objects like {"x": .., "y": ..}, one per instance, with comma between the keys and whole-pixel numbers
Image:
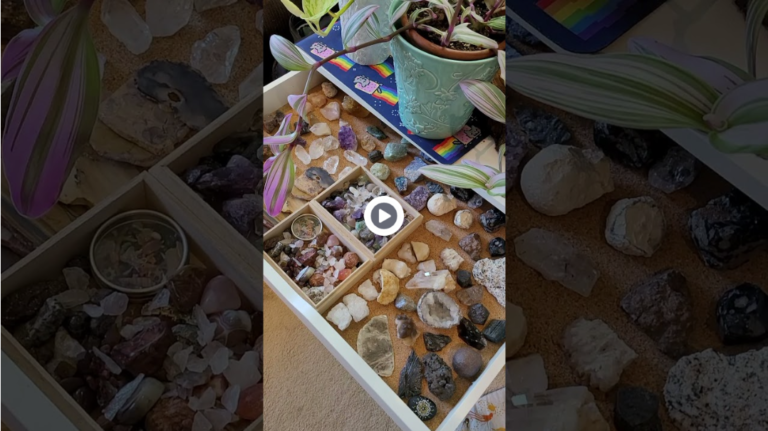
[
  {"x": 583, "y": 26},
  {"x": 377, "y": 87}
]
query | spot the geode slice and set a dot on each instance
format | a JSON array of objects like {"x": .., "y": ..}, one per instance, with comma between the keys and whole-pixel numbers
[
  {"x": 742, "y": 314},
  {"x": 469, "y": 333},
  {"x": 728, "y": 230},
  {"x": 435, "y": 342},
  {"x": 438, "y": 310},
  {"x": 185, "y": 90},
  {"x": 374, "y": 345},
  {"x": 410, "y": 377},
  {"x": 439, "y": 376}
]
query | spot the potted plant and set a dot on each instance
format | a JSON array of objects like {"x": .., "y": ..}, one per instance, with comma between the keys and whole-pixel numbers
[
  {"x": 458, "y": 17},
  {"x": 658, "y": 87}
]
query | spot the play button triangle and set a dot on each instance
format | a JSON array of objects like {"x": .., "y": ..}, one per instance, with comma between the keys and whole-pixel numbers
[{"x": 383, "y": 215}]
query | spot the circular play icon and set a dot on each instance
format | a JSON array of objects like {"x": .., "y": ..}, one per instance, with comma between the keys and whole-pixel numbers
[{"x": 384, "y": 216}]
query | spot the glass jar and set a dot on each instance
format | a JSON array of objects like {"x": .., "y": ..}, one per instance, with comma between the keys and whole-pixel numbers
[{"x": 375, "y": 54}]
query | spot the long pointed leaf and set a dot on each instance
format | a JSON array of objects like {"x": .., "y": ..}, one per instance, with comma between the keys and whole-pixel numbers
[
  {"x": 287, "y": 54},
  {"x": 486, "y": 97},
  {"x": 490, "y": 171},
  {"x": 463, "y": 33},
  {"x": 16, "y": 52},
  {"x": 747, "y": 104},
  {"x": 299, "y": 104},
  {"x": 628, "y": 90},
  {"x": 278, "y": 183},
  {"x": 722, "y": 78},
  {"x": 747, "y": 138},
  {"x": 52, "y": 112},
  {"x": 43, "y": 11},
  {"x": 466, "y": 177},
  {"x": 756, "y": 13},
  {"x": 355, "y": 22}
]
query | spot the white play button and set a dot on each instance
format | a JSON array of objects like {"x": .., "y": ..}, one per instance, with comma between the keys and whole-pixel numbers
[{"x": 383, "y": 216}]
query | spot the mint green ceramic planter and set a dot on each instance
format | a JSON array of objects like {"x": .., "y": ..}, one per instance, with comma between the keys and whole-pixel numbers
[{"x": 431, "y": 103}]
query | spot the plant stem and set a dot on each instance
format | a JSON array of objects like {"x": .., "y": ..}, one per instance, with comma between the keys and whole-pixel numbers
[
  {"x": 491, "y": 11},
  {"x": 447, "y": 38},
  {"x": 365, "y": 45},
  {"x": 342, "y": 10}
]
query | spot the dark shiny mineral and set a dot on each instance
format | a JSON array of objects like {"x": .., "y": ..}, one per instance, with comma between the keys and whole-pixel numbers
[
  {"x": 40, "y": 329},
  {"x": 375, "y": 155},
  {"x": 469, "y": 333},
  {"x": 517, "y": 149},
  {"x": 376, "y": 132},
  {"x": 424, "y": 408},
  {"x": 434, "y": 188},
  {"x": 145, "y": 352},
  {"x": 463, "y": 195},
  {"x": 243, "y": 212},
  {"x": 675, "y": 171},
  {"x": 632, "y": 148},
  {"x": 23, "y": 304},
  {"x": 542, "y": 128},
  {"x": 186, "y": 287},
  {"x": 492, "y": 220},
  {"x": 418, "y": 198},
  {"x": 497, "y": 247},
  {"x": 401, "y": 183},
  {"x": 410, "y": 377},
  {"x": 475, "y": 202},
  {"x": 742, "y": 314},
  {"x": 478, "y": 314},
  {"x": 728, "y": 230},
  {"x": 661, "y": 307},
  {"x": 636, "y": 410},
  {"x": 435, "y": 342},
  {"x": 464, "y": 278},
  {"x": 495, "y": 331},
  {"x": 439, "y": 377}
]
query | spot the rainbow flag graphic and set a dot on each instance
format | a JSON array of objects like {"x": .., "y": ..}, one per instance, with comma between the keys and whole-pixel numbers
[
  {"x": 384, "y": 69},
  {"x": 449, "y": 148},
  {"x": 343, "y": 62},
  {"x": 586, "y": 17},
  {"x": 386, "y": 94}
]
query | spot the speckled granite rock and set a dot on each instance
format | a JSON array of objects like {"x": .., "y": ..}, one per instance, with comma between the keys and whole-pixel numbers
[{"x": 492, "y": 274}]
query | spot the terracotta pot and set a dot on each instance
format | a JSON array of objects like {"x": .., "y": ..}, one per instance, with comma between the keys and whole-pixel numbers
[{"x": 423, "y": 43}]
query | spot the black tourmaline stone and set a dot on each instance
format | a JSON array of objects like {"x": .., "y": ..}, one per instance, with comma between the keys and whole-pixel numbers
[
  {"x": 401, "y": 183},
  {"x": 424, "y": 408},
  {"x": 675, "y": 171},
  {"x": 464, "y": 278},
  {"x": 542, "y": 128},
  {"x": 303, "y": 126},
  {"x": 435, "y": 342},
  {"x": 728, "y": 230},
  {"x": 742, "y": 314},
  {"x": 497, "y": 246},
  {"x": 632, "y": 148},
  {"x": 439, "y": 376},
  {"x": 636, "y": 410},
  {"x": 478, "y": 314},
  {"x": 463, "y": 195},
  {"x": 410, "y": 377},
  {"x": 475, "y": 202},
  {"x": 434, "y": 188},
  {"x": 376, "y": 132},
  {"x": 470, "y": 334},
  {"x": 495, "y": 331},
  {"x": 375, "y": 155},
  {"x": 492, "y": 220}
]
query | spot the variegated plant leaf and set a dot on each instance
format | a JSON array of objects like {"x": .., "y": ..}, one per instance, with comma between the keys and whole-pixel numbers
[
  {"x": 627, "y": 90},
  {"x": 463, "y": 33},
  {"x": 278, "y": 183},
  {"x": 43, "y": 11},
  {"x": 299, "y": 104},
  {"x": 281, "y": 138},
  {"x": 486, "y": 97},
  {"x": 52, "y": 112},
  {"x": 287, "y": 54},
  {"x": 498, "y": 23},
  {"x": 355, "y": 22},
  {"x": 16, "y": 52},
  {"x": 722, "y": 78},
  {"x": 747, "y": 104},
  {"x": 463, "y": 176},
  {"x": 489, "y": 170},
  {"x": 502, "y": 58},
  {"x": 747, "y": 138},
  {"x": 756, "y": 13}
]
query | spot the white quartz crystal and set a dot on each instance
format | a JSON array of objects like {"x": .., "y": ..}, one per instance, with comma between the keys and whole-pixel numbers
[
  {"x": 340, "y": 316},
  {"x": 126, "y": 25},
  {"x": 215, "y": 54},
  {"x": 356, "y": 306},
  {"x": 397, "y": 267},
  {"x": 368, "y": 291},
  {"x": 166, "y": 17}
]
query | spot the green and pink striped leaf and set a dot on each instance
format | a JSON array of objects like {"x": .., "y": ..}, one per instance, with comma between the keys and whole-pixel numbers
[
  {"x": 287, "y": 54},
  {"x": 486, "y": 97},
  {"x": 299, "y": 104},
  {"x": 16, "y": 52},
  {"x": 281, "y": 137},
  {"x": 52, "y": 112},
  {"x": 43, "y": 11},
  {"x": 462, "y": 176},
  {"x": 740, "y": 119},
  {"x": 463, "y": 33},
  {"x": 756, "y": 13},
  {"x": 278, "y": 183},
  {"x": 355, "y": 22}
]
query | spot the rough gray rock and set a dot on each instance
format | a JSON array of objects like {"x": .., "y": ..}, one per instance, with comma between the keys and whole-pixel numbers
[{"x": 636, "y": 226}]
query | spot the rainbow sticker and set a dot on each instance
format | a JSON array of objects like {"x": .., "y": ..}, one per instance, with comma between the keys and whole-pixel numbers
[
  {"x": 449, "y": 148},
  {"x": 386, "y": 94},
  {"x": 586, "y": 17},
  {"x": 383, "y": 69},
  {"x": 343, "y": 62}
]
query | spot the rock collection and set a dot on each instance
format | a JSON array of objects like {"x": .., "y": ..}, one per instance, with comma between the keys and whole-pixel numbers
[{"x": 191, "y": 353}]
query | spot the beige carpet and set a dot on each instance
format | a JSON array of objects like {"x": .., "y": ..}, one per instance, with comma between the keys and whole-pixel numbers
[{"x": 305, "y": 387}]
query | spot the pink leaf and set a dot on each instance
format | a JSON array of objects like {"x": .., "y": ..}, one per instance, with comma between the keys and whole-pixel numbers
[
  {"x": 268, "y": 164},
  {"x": 52, "y": 112},
  {"x": 43, "y": 11},
  {"x": 299, "y": 104},
  {"x": 16, "y": 52},
  {"x": 278, "y": 184}
]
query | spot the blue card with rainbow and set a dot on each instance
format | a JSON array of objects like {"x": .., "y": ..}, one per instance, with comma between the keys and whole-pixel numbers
[
  {"x": 377, "y": 87},
  {"x": 583, "y": 26}
]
